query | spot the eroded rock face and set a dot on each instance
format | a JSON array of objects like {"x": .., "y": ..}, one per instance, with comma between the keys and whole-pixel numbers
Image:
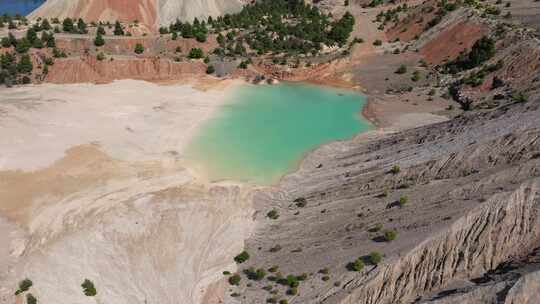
[
  {"x": 473, "y": 193},
  {"x": 506, "y": 226},
  {"x": 148, "y": 12}
]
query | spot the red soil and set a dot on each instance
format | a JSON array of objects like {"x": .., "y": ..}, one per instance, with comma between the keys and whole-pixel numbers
[
  {"x": 448, "y": 44},
  {"x": 89, "y": 69}
]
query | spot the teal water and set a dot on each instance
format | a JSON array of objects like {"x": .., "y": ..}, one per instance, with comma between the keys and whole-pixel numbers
[{"x": 263, "y": 132}]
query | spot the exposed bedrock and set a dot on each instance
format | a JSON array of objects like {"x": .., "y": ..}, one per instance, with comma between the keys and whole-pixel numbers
[
  {"x": 507, "y": 225},
  {"x": 473, "y": 189}
]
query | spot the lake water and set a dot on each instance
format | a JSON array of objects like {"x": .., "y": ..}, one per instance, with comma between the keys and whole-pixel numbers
[
  {"x": 22, "y": 7},
  {"x": 263, "y": 132}
]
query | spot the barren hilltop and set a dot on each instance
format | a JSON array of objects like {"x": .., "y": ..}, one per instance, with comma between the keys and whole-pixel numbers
[
  {"x": 440, "y": 203},
  {"x": 152, "y": 13}
]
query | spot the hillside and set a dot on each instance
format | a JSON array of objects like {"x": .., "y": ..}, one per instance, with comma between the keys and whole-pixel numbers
[
  {"x": 148, "y": 12},
  {"x": 439, "y": 203}
]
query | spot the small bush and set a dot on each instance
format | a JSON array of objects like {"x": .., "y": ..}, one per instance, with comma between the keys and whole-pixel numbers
[
  {"x": 100, "y": 56},
  {"x": 210, "y": 69},
  {"x": 273, "y": 268},
  {"x": 300, "y": 202},
  {"x": 139, "y": 48},
  {"x": 375, "y": 257},
  {"x": 325, "y": 278},
  {"x": 402, "y": 69},
  {"x": 520, "y": 97},
  {"x": 24, "y": 285},
  {"x": 276, "y": 248},
  {"x": 395, "y": 169},
  {"x": 235, "y": 279},
  {"x": 272, "y": 300},
  {"x": 196, "y": 53},
  {"x": 390, "y": 235},
  {"x": 283, "y": 301},
  {"x": 416, "y": 76},
  {"x": 242, "y": 257},
  {"x": 324, "y": 271},
  {"x": 226, "y": 272},
  {"x": 357, "y": 265},
  {"x": 255, "y": 274},
  {"x": 30, "y": 299},
  {"x": 292, "y": 291},
  {"x": 273, "y": 214},
  {"x": 88, "y": 288},
  {"x": 403, "y": 200},
  {"x": 377, "y": 42}
]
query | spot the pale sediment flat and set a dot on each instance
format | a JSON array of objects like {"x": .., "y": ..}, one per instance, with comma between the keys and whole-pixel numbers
[
  {"x": 92, "y": 186},
  {"x": 129, "y": 120}
]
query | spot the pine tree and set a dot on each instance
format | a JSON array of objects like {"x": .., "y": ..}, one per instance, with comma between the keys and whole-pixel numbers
[
  {"x": 81, "y": 26},
  {"x": 118, "y": 30},
  {"x": 25, "y": 65},
  {"x": 45, "y": 25},
  {"x": 68, "y": 26},
  {"x": 99, "y": 41}
]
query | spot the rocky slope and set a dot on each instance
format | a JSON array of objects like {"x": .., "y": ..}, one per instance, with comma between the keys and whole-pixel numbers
[{"x": 148, "y": 12}]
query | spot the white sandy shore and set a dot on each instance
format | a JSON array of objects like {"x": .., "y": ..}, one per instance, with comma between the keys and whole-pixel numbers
[
  {"x": 129, "y": 120},
  {"x": 92, "y": 186}
]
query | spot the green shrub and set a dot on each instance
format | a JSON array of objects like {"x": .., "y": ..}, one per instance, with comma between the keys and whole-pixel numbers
[
  {"x": 25, "y": 65},
  {"x": 99, "y": 41},
  {"x": 375, "y": 257},
  {"x": 520, "y": 97},
  {"x": 403, "y": 200},
  {"x": 395, "y": 169},
  {"x": 88, "y": 288},
  {"x": 272, "y": 300},
  {"x": 139, "y": 48},
  {"x": 196, "y": 53},
  {"x": 377, "y": 42},
  {"x": 273, "y": 214},
  {"x": 210, "y": 69},
  {"x": 324, "y": 271},
  {"x": 100, "y": 56},
  {"x": 390, "y": 235},
  {"x": 242, "y": 257},
  {"x": 255, "y": 274},
  {"x": 357, "y": 265},
  {"x": 273, "y": 268},
  {"x": 325, "y": 278},
  {"x": 24, "y": 285},
  {"x": 283, "y": 301},
  {"x": 401, "y": 70},
  {"x": 416, "y": 76},
  {"x": 292, "y": 291},
  {"x": 30, "y": 299},
  {"x": 226, "y": 272},
  {"x": 235, "y": 279}
]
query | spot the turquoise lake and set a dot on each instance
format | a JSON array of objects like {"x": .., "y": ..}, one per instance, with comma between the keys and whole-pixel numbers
[{"x": 264, "y": 131}]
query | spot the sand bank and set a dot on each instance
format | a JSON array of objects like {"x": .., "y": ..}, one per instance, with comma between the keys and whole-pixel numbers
[{"x": 92, "y": 185}]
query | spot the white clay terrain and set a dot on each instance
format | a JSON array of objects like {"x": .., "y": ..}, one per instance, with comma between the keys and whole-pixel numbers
[{"x": 93, "y": 187}]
